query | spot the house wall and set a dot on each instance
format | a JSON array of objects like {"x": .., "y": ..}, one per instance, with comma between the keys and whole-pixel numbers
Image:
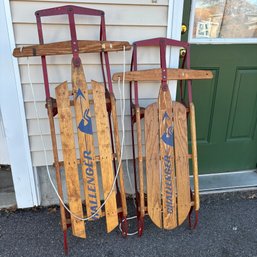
[{"x": 126, "y": 20}]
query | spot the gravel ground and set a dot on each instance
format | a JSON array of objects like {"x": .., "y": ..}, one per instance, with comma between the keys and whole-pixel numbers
[{"x": 227, "y": 227}]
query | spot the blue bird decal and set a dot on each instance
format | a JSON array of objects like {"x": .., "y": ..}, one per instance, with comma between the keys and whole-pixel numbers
[
  {"x": 167, "y": 136},
  {"x": 85, "y": 124}
]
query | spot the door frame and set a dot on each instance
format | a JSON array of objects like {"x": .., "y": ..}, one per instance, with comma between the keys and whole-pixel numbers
[
  {"x": 13, "y": 114},
  {"x": 174, "y": 22},
  {"x": 4, "y": 156}
]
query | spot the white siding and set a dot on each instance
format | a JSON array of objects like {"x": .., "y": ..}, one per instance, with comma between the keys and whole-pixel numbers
[{"x": 125, "y": 19}]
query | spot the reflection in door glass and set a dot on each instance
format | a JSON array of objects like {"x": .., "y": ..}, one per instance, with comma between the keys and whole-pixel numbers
[{"x": 225, "y": 19}]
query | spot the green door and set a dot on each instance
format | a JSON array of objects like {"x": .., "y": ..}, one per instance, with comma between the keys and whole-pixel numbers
[{"x": 226, "y": 107}]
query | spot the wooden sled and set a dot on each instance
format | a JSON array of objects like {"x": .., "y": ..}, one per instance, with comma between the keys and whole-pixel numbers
[
  {"x": 169, "y": 197},
  {"x": 88, "y": 158},
  {"x": 103, "y": 101}
]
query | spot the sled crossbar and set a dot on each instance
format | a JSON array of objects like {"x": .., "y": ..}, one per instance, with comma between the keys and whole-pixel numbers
[
  {"x": 156, "y": 75},
  {"x": 65, "y": 47}
]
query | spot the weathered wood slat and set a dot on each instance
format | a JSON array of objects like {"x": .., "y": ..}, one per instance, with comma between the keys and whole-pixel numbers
[
  {"x": 181, "y": 161},
  {"x": 153, "y": 175},
  {"x": 119, "y": 210},
  {"x": 156, "y": 75},
  {"x": 140, "y": 163},
  {"x": 104, "y": 142},
  {"x": 86, "y": 141},
  {"x": 118, "y": 153},
  {"x": 56, "y": 163},
  {"x": 70, "y": 161},
  {"x": 194, "y": 157},
  {"x": 60, "y": 48},
  {"x": 167, "y": 160}
]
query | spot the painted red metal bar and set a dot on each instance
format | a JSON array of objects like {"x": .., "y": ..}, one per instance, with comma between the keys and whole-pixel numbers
[
  {"x": 166, "y": 41},
  {"x": 69, "y": 10},
  {"x": 65, "y": 10},
  {"x": 163, "y": 43}
]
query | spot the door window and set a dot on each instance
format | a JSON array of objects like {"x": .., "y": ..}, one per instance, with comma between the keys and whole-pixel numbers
[{"x": 223, "y": 21}]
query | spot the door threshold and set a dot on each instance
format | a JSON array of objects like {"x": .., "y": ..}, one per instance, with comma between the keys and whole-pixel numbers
[{"x": 227, "y": 182}]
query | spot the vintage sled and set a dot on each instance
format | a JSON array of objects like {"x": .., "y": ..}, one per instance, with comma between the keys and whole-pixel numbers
[
  {"x": 88, "y": 158},
  {"x": 115, "y": 209},
  {"x": 168, "y": 199}
]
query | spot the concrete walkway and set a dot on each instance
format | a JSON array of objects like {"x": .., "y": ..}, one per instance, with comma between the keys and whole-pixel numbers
[
  {"x": 227, "y": 228},
  {"x": 7, "y": 195}
]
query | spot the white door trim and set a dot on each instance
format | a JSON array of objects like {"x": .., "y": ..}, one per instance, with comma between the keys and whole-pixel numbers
[
  {"x": 4, "y": 157},
  {"x": 13, "y": 114},
  {"x": 175, "y": 14}
]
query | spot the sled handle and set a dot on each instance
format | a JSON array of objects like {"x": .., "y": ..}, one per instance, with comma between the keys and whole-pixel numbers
[
  {"x": 162, "y": 43},
  {"x": 70, "y": 10},
  {"x": 157, "y": 42},
  {"x": 67, "y": 9}
]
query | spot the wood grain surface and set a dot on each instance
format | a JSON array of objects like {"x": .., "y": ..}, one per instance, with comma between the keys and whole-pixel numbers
[
  {"x": 156, "y": 75},
  {"x": 181, "y": 161},
  {"x": 153, "y": 173},
  {"x": 60, "y": 48},
  {"x": 70, "y": 160},
  {"x": 104, "y": 144},
  {"x": 86, "y": 141}
]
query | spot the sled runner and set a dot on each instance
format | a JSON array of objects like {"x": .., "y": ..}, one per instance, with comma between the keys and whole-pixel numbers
[
  {"x": 169, "y": 198},
  {"x": 103, "y": 103}
]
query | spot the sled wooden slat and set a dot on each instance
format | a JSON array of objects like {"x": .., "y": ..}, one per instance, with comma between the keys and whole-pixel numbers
[
  {"x": 118, "y": 152},
  {"x": 86, "y": 141},
  {"x": 194, "y": 157},
  {"x": 70, "y": 161},
  {"x": 167, "y": 160},
  {"x": 181, "y": 161},
  {"x": 140, "y": 163},
  {"x": 104, "y": 144},
  {"x": 60, "y": 48},
  {"x": 153, "y": 176},
  {"x": 56, "y": 162},
  {"x": 156, "y": 75}
]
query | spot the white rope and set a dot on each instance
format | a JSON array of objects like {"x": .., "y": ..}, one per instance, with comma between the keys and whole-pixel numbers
[
  {"x": 46, "y": 161},
  {"x": 129, "y": 234},
  {"x": 126, "y": 158},
  {"x": 123, "y": 105}
]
